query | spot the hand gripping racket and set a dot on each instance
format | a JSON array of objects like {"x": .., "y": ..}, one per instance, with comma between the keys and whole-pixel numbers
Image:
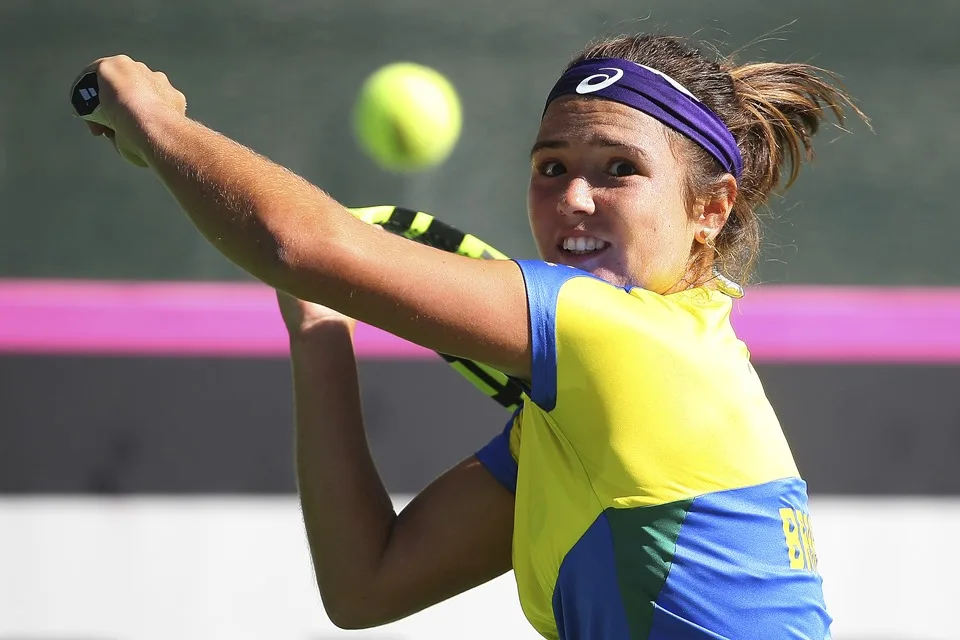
[
  {"x": 85, "y": 98},
  {"x": 425, "y": 229}
]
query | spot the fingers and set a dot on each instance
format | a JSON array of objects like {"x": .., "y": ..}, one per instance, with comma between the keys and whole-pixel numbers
[
  {"x": 122, "y": 70},
  {"x": 109, "y": 65},
  {"x": 96, "y": 64},
  {"x": 124, "y": 88},
  {"x": 115, "y": 68}
]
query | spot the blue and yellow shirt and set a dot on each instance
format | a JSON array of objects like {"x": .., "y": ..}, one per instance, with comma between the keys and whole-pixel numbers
[{"x": 656, "y": 496}]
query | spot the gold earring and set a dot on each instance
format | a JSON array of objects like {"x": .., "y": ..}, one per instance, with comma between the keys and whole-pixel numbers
[{"x": 726, "y": 285}]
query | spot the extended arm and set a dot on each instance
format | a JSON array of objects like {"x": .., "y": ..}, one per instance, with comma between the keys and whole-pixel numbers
[
  {"x": 296, "y": 238},
  {"x": 372, "y": 565}
]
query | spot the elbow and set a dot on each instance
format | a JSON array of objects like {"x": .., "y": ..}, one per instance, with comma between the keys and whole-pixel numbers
[
  {"x": 346, "y": 619},
  {"x": 350, "y": 619},
  {"x": 354, "y": 612},
  {"x": 303, "y": 266},
  {"x": 287, "y": 259},
  {"x": 351, "y": 622}
]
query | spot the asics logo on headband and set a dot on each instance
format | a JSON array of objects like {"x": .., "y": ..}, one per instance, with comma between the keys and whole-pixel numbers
[
  {"x": 676, "y": 85},
  {"x": 659, "y": 96},
  {"x": 587, "y": 85}
]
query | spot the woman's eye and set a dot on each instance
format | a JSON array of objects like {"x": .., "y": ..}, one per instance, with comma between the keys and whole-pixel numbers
[
  {"x": 551, "y": 169},
  {"x": 622, "y": 168}
]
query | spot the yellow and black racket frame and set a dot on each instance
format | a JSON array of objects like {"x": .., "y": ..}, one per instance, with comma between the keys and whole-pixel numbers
[{"x": 426, "y": 229}]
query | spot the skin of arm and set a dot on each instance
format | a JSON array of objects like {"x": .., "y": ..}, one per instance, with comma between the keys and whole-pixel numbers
[
  {"x": 296, "y": 238},
  {"x": 372, "y": 565}
]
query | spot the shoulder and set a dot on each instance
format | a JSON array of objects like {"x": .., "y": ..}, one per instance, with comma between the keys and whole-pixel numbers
[
  {"x": 548, "y": 284},
  {"x": 550, "y": 278}
]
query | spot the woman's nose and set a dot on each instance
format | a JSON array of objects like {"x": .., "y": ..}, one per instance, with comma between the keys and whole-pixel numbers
[{"x": 576, "y": 198}]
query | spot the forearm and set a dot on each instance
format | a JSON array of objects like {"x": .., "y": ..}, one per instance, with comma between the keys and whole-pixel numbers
[
  {"x": 347, "y": 511},
  {"x": 258, "y": 214},
  {"x": 295, "y": 238}
]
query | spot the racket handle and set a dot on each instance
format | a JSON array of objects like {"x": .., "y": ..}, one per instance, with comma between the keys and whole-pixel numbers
[{"x": 85, "y": 96}]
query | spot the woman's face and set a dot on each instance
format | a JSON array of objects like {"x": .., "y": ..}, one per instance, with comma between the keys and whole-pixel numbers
[{"x": 606, "y": 195}]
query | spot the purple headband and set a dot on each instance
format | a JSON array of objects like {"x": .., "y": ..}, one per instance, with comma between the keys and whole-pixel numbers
[{"x": 657, "y": 95}]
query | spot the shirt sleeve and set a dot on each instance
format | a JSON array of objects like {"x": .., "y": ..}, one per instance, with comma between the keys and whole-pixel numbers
[
  {"x": 501, "y": 455},
  {"x": 543, "y": 281}
]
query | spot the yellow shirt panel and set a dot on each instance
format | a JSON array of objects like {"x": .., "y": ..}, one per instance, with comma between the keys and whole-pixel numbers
[
  {"x": 636, "y": 399},
  {"x": 658, "y": 397}
]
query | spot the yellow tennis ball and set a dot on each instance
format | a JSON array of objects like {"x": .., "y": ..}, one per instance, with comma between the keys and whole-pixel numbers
[{"x": 407, "y": 117}]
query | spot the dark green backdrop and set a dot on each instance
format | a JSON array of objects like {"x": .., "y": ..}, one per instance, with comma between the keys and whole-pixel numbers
[{"x": 281, "y": 77}]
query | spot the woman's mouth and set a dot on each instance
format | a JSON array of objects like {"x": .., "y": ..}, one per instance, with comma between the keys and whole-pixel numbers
[
  {"x": 583, "y": 245},
  {"x": 583, "y": 252}
]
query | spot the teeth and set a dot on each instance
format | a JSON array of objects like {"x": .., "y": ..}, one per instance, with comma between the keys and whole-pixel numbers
[{"x": 583, "y": 244}]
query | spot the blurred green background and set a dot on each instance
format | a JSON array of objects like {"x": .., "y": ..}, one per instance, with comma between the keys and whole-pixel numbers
[{"x": 281, "y": 77}]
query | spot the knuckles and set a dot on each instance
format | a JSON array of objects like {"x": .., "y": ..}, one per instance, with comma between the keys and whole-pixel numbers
[
  {"x": 119, "y": 65},
  {"x": 114, "y": 63},
  {"x": 123, "y": 74}
]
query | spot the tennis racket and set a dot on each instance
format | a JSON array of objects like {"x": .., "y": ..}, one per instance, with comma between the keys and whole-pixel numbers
[{"x": 423, "y": 228}]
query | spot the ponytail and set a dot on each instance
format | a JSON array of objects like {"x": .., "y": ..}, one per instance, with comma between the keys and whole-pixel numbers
[{"x": 782, "y": 108}]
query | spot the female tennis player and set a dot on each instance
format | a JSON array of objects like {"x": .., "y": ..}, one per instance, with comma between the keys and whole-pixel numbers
[{"x": 644, "y": 489}]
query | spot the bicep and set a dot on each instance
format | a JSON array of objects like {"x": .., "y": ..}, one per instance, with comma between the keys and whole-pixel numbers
[
  {"x": 476, "y": 309},
  {"x": 455, "y": 535}
]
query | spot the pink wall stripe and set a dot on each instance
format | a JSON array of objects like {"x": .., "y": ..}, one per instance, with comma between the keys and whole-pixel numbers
[
  {"x": 176, "y": 319},
  {"x": 786, "y": 324},
  {"x": 849, "y": 324}
]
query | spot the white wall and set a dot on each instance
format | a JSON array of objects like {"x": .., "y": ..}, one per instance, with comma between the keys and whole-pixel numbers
[{"x": 183, "y": 568}]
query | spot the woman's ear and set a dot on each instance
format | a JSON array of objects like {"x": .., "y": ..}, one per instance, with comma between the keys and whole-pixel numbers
[{"x": 715, "y": 209}]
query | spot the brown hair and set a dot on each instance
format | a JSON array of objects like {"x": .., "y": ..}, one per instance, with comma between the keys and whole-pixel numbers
[{"x": 772, "y": 109}]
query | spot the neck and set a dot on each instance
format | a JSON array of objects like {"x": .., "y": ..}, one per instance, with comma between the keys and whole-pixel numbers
[{"x": 705, "y": 273}]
